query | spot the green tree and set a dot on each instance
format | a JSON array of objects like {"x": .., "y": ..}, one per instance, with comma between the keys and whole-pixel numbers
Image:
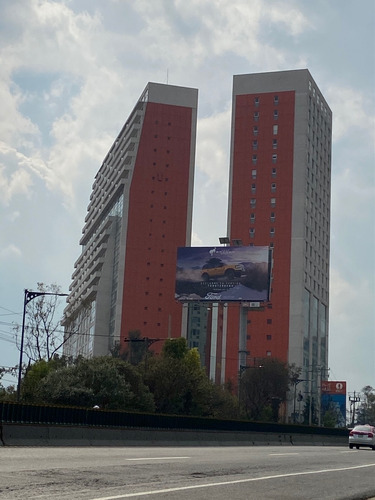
[
  {"x": 180, "y": 385},
  {"x": 310, "y": 413},
  {"x": 105, "y": 381},
  {"x": 262, "y": 388},
  {"x": 7, "y": 393},
  {"x": 137, "y": 348},
  {"x": 366, "y": 410},
  {"x": 330, "y": 417},
  {"x": 35, "y": 373}
]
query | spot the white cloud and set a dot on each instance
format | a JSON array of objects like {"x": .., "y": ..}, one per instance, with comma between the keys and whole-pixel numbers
[
  {"x": 61, "y": 45},
  {"x": 196, "y": 240},
  {"x": 213, "y": 144},
  {"x": 13, "y": 216},
  {"x": 14, "y": 179},
  {"x": 9, "y": 252},
  {"x": 351, "y": 110},
  {"x": 14, "y": 127},
  {"x": 292, "y": 18}
]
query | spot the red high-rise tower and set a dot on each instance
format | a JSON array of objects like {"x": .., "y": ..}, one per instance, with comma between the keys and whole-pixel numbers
[
  {"x": 140, "y": 211},
  {"x": 279, "y": 195}
]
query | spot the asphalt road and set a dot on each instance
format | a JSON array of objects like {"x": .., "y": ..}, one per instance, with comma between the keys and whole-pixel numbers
[{"x": 220, "y": 473}]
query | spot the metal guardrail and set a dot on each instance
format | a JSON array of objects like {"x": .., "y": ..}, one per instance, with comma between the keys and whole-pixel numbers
[{"x": 19, "y": 413}]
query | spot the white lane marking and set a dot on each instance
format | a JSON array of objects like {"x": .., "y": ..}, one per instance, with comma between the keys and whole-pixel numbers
[
  {"x": 154, "y": 458},
  {"x": 225, "y": 483},
  {"x": 282, "y": 454}
]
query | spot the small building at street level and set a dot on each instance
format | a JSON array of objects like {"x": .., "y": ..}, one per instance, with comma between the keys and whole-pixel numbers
[{"x": 140, "y": 213}]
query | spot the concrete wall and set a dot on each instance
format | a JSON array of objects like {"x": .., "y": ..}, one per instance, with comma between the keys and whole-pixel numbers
[{"x": 48, "y": 435}]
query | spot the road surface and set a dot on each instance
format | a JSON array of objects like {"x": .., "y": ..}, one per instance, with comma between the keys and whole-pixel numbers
[{"x": 220, "y": 473}]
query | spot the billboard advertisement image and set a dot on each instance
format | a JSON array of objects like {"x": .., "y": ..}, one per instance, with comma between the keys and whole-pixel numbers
[
  {"x": 333, "y": 394},
  {"x": 223, "y": 274}
]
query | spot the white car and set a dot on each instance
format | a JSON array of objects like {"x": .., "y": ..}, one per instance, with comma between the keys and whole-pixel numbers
[{"x": 362, "y": 435}]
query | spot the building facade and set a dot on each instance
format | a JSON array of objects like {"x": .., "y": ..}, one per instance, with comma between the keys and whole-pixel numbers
[
  {"x": 140, "y": 211},
  {"x": 279, "y": 195}
]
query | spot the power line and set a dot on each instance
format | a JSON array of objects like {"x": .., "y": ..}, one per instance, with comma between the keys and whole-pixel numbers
[{"x": 9, "y": 311}]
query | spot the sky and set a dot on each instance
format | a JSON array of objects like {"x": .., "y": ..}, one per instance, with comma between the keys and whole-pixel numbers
[{"x": 71, "y": 72}]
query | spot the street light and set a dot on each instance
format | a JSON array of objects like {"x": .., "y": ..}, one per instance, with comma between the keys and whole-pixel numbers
[{"x": 29, "y": 295}]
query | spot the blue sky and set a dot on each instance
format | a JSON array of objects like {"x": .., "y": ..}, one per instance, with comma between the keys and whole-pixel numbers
[{"x": 71, "y": 72}]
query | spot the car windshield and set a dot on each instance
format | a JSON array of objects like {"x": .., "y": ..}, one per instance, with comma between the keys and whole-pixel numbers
[{"x": 362, "y": 428}]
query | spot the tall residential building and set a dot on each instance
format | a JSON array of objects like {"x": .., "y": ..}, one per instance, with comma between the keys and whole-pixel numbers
[
  {"x": 140, "y": 211},
  {"x": 279, "y": 196}
]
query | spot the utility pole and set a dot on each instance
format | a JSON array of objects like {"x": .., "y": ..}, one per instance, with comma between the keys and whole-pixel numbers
[{"x": 353, "y": 400}]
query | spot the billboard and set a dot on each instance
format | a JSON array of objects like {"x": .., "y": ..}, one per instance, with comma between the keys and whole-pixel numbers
[
  {"x": 333, "y": 394},
  {"x": 226, "y": 274}
]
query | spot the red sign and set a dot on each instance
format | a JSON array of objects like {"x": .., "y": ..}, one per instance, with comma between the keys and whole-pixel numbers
[{"x": 333, "y": 387}]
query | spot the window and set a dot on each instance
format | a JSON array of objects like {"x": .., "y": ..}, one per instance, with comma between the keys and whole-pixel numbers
[
  {"x": 276, "y": 99},
  {"x": 254, "y": 173},
  {"x": 252, "y": 218},
  {"x": 275, "y": 114},
  {"x": 269, "y": 354},
  {"x": 269, "y": 337},
  {"x": 256, "y": 101},
  {"x": 274, "y": 170},
  {"x": 273, "y": 202},
  {"x": 274, "y": 144},
  {"x": 272, "y": 217},
  {"x": 274, "y": 158},
  {"x": 256, "y": 115},
  {"x": 254, "y": 159},
  {"x": 253, "y": 202},
  {"x": 252, "y": 232},
  {"x": 253, "y": 188},
  {"x": 255, "y": 130},
  {"x": 272, "y": 232},
  {"x": 273, "y": 187},
  {"x": 255, "y": 144},
  {"x": 275, "y": 129}
]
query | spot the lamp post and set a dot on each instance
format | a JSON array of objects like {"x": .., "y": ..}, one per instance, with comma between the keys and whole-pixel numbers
[{"x": 29, "y": 295}]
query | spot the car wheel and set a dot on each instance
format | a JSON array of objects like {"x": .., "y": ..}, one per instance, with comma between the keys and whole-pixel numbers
[
  {"x": 373, "y": 447},
  {"x": 205, "y": 277},
  {"x": 351, "y": 446},
  {"x": 357, "y": 447}
]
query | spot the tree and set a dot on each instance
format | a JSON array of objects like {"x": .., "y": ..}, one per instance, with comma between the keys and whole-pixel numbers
[
  {"x": 6, "y": 393},
  {"x": 180, "y": 385},
  {"x": 366, "y": 410},
  {"x": 137, "y": 348},
  {"x": 43, "y": 335},
  {"x": 263, "y": 388},
  {"x": 34, "y": 375},
  {"x": 310, "y": 412},
  {"x": 104, "y": 381},
  {"x": 330, "y": 417}
]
